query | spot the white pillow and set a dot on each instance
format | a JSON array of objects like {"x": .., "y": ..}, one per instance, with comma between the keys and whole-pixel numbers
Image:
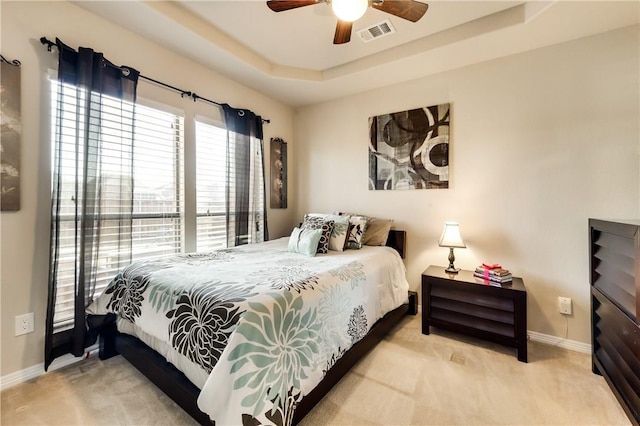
[{"x": 357, "y": 229}]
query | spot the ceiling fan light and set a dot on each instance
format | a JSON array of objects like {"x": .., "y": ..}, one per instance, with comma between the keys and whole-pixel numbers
[{"x": 349, "y": 10}]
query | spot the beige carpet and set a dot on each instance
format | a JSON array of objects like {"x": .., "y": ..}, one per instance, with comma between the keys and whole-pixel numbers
[{"x": 440, "y": 379}]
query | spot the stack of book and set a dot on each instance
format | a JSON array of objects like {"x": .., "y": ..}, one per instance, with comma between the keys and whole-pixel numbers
[{"x": 493, "y": 273}]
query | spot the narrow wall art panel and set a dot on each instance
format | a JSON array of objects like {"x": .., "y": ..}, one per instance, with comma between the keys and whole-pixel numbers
[
  {"x": 11, "y": 128},
  {"x": 278, "y": 155},
  {"x": 410, "y": 149}
]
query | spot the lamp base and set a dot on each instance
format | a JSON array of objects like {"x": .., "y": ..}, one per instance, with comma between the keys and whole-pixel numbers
[{"x": 451, "y": 269}]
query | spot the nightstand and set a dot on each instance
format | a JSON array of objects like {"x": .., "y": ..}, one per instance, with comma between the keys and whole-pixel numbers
[{"x": 465, "y": 304}]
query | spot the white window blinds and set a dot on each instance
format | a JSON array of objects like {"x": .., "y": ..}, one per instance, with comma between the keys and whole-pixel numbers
[
  {"x": 157, "y": 156},
  {"x": 223, "y": 169},
  {"x": 212, "y": 189}
]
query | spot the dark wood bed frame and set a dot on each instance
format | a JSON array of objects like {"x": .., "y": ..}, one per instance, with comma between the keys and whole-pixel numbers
[{"x": 176, "y": 385}]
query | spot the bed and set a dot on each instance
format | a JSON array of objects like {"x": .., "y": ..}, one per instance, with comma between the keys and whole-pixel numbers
[{"x": 288, "y": 326}]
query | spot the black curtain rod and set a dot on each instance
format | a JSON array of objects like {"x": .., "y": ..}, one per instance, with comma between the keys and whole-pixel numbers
[
  {"x": 15, "y": 62},
  {"x": 183, "y": 93}
]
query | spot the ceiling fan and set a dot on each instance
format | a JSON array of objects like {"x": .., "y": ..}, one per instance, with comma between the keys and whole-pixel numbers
[{"x": 348, "y": 11}]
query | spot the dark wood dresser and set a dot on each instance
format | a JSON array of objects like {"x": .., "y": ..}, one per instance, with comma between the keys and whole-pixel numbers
[
  {"x": 466, "y": 304},
  {"x": 614, "y": 263}
]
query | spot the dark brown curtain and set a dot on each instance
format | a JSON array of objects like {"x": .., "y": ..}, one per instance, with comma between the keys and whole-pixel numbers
[
  {"x": 95, "y": 103},
  {"x": 246, "y": 206}
]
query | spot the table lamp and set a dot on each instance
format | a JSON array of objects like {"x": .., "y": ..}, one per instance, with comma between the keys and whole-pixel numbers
[{"x": 451, "y": 238}]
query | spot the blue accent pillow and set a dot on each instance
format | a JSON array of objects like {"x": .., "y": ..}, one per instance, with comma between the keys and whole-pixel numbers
[{"x": 304, "y": 241}]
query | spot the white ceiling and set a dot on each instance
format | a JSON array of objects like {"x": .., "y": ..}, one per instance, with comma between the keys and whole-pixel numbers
[
  {"x": 290, "y": 56},
  {"x": 303, "y": 37}
]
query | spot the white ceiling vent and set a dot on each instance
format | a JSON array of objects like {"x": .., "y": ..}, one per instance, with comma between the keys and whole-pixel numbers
[{"x": 376, "y": 31}]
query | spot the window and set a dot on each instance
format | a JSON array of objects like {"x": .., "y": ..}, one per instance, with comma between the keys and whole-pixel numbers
[
  {"x": 158, "y": 194},
  {"x": 212, "y": 192},
  {"x": 228, "y": 184},
  {"x": 158, "y": 176},
  {"x": 220, "y": 168}
]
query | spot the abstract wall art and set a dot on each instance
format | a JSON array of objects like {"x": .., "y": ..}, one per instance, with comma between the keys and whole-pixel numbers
[
  {"x": 278, "y": 155},
  {"x": 11, "y": 128},
  {"x": 410, "y": 149}
]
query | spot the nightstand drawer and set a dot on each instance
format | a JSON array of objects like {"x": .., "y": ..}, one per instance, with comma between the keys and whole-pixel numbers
[
  {"x": 471, "y": 296},
  {"x": 472, "y": 310},
  {"x": 450, "y": 319}
]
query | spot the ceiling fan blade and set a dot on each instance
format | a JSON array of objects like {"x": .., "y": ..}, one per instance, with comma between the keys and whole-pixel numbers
[
  {"x": 410, "y": 10},
  {"x": 282, "y": 5},
  {"x": 343, "y": 32}
]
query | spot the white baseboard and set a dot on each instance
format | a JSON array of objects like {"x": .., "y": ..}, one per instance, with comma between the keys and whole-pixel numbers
[
  {"x": 36, "y": 370},
  {"x": 559, "y": 342}
]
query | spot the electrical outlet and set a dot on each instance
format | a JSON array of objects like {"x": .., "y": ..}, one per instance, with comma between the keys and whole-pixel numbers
[
  {"x": 564, "y": 305},
  {"x": 24, "y": 324}
]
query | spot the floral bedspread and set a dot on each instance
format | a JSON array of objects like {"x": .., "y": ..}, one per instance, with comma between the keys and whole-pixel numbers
[{"x": 255, "y": 327}]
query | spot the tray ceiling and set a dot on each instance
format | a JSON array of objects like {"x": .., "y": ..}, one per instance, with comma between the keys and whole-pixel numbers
[{"x": 290, "y": 56}]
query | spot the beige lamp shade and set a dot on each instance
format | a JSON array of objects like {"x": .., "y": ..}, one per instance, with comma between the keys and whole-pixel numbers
[{"x": 451, "y": 236}]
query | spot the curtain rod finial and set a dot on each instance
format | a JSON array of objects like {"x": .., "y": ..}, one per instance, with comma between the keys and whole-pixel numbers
[{"x": 48, "y": 42}]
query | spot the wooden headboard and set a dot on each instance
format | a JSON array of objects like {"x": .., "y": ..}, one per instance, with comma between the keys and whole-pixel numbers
[{"x": 398, "y": 239}]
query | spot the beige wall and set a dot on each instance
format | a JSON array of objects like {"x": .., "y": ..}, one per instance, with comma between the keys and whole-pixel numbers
[
  {"x": 540, "y": 142},
  {"x": 25, "y": 244}
]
